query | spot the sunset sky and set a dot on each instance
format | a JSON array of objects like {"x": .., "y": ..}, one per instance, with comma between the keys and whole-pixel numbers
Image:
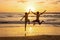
[{"x": 34, "y": 5}]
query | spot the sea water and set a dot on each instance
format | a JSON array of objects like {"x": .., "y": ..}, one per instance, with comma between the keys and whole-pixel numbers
[{"x": 51, "y": 25}]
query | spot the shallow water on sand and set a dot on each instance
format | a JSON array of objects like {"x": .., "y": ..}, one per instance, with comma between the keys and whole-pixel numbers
[{"x": 19, "y": 30}]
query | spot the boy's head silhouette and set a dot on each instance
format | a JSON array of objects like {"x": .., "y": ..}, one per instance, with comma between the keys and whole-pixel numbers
[
  {"x": 25, "y": 12},
  {"x": 37, "y": 12}
]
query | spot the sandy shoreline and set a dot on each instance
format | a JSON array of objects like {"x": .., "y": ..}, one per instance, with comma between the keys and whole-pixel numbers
[{"x": 41, "y": 37}]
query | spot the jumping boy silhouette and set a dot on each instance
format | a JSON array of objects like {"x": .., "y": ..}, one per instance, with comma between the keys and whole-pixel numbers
[
  {"x": 26, "y": 19},
  {"x": 37, "y": 17}
]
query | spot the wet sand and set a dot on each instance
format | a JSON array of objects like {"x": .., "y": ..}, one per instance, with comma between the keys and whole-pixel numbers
[
  {"x": 41, "y": 37},
  {"x": 11, "y": 30}
]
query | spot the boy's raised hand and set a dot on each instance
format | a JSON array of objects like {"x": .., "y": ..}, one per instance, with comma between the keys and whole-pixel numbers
[
  {"x": 32, "y": 11},
  {"x": 20, "y": 19}
]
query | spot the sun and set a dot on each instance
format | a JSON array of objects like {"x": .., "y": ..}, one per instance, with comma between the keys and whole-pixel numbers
[{"x": 30, "y": 8}]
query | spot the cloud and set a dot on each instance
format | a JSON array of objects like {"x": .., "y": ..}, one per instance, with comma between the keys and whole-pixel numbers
[
  {"x": 34, "y": 1},
  {"x": 46, "y": 1},
  {"x": 56, "y": 2},
  {"x": 41, "y": 2},
  {"x": 53, "y": 1}
]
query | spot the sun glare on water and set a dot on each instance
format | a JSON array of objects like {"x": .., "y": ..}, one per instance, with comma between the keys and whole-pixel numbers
[{"x": 29, "y": 29}]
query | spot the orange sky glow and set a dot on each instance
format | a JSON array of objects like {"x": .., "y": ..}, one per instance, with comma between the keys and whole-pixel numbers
[{"x": 25, "y": 5}]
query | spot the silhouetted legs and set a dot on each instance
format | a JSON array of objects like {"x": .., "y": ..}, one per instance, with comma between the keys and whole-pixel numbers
[
  {"x": 34, "y": 22},
  {"x": 41, "y": 22},
  {"x": 37, "y": 21},
  {"x": 27, "y": 21}
]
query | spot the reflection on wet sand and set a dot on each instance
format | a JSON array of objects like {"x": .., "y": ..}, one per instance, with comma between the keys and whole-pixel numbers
[{"x": 43, "y": 29}]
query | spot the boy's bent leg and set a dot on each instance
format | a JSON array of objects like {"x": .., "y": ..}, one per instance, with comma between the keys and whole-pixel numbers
[
  {"x": 28, "y": 21},
  {"x": 34, "y": 22},
  {"x": 41, "y": 22},
  {"x": 25, "y": 22}
]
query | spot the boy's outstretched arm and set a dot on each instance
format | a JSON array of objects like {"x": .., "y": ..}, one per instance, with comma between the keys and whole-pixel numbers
[
  {"x": 33, "y": 13},
  {"x": 22, "y": 18},
  {"x": 29, "y": 12},
  {"x": 42, "y": 12}
]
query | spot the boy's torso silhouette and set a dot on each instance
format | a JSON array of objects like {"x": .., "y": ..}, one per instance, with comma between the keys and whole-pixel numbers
[
  {"x": 26, "y": 16},
  {"x": 37, "y": 16}
]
